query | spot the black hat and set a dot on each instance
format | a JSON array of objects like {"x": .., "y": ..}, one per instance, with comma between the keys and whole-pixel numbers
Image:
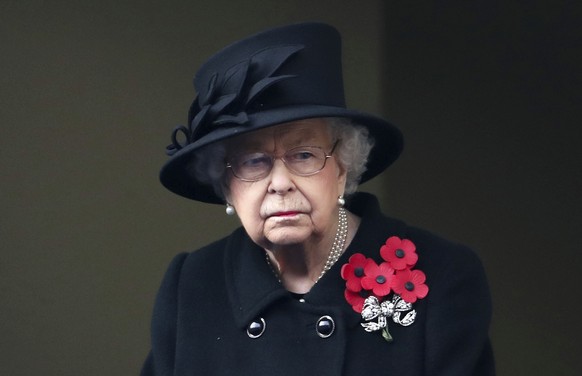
[{"x": 277, "y": 76}]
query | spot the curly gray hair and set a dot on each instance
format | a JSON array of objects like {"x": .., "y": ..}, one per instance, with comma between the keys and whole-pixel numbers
[{"x": 209, "y": 163}]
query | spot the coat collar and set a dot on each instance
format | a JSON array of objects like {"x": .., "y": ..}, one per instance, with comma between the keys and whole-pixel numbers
[{"x": 251, "y": 284}]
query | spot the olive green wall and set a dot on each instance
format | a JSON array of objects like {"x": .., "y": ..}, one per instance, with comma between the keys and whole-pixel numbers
[{"x": 89, "y": 92}]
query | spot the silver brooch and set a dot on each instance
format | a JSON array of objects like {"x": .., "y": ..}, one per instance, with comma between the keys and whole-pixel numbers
[{"x": 380, "y": 312}]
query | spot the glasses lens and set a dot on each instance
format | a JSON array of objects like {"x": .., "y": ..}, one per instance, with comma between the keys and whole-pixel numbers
[
  {"x": 305, "y": 160},
  {"x": 253, "y": 166}
]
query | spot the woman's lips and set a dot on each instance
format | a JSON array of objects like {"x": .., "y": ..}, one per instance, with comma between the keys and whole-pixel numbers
[{"x": 285, "y": 214}]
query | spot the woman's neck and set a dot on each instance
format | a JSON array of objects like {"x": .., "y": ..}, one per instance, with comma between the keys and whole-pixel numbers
[{"x": 300, "y": 266}]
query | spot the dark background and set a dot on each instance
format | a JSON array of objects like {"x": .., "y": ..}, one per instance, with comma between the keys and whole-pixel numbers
[{"x": 486, "y": 93}]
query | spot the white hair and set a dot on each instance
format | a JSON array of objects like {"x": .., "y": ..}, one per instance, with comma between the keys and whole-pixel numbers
[
  {"x": 352, "y": 151},
  {"x": 354, "y": 145}
]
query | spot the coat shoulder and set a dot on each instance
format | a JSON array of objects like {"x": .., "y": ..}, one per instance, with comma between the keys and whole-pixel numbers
[{"x": 210, "y": 257}]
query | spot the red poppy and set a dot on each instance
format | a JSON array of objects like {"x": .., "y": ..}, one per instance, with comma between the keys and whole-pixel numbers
[
  {"x": 378, "y": 278},
  {"x": 409, "y": 284},
  {"x": 353, "y": 272},
  {"x": 356, "y": 299},
  {"x": 400, "y": 253}
]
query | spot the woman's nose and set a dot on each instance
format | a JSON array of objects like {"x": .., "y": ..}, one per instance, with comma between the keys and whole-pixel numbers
[{"x": 280, "y": 178}]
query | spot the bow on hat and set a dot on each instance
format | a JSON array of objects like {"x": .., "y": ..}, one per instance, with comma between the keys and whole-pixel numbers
[{"x": 227, "y": 98}]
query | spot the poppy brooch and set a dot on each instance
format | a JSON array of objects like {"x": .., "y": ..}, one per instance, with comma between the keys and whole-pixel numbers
[{"x": 385, "y": 290}]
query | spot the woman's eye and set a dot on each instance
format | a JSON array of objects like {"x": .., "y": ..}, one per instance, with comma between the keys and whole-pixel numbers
[
  {"x": 254, "y": 160},
  {"x": 300, "y": 155}
]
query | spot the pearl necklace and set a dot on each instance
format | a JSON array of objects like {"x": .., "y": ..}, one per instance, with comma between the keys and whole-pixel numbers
[{"x": 337, "y": 248}]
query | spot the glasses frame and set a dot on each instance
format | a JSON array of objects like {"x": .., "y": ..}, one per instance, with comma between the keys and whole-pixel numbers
[{"x": 282, "y": 158}]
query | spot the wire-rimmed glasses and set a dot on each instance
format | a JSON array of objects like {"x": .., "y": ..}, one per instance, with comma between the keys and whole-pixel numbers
[{"x": 301, "y": 160}]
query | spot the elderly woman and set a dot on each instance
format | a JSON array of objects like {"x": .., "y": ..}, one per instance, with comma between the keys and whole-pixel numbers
[{"x": 317, "y": 281}]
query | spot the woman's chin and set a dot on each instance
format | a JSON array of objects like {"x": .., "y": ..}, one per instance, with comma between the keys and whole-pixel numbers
[{"x": 282, "y": 236}]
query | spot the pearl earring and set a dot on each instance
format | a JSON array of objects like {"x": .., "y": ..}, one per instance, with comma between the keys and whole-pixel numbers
[
  {"x": 229, "y": 209},
  {"x": 341, "y": 201}
]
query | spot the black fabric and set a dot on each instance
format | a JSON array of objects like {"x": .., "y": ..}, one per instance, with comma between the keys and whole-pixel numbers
[{"x": 209, "y": 297}]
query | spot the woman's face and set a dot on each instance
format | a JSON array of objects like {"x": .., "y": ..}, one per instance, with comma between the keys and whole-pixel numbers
[{"x": 284, "y": 208}]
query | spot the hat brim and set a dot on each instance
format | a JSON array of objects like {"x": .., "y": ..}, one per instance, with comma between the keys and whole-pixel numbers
[{"x": 177, "y": 177}]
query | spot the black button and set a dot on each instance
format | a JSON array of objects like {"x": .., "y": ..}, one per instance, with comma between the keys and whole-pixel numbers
[
  {"x": 256, "y": 328},
  {"x": 325, "y": 326}
]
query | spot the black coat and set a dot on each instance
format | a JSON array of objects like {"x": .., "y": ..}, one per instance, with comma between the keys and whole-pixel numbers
[{"x": 209, "y": 297}]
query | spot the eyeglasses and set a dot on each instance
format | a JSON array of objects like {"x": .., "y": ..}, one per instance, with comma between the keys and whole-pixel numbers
[{"x": 302, "y": 161}]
